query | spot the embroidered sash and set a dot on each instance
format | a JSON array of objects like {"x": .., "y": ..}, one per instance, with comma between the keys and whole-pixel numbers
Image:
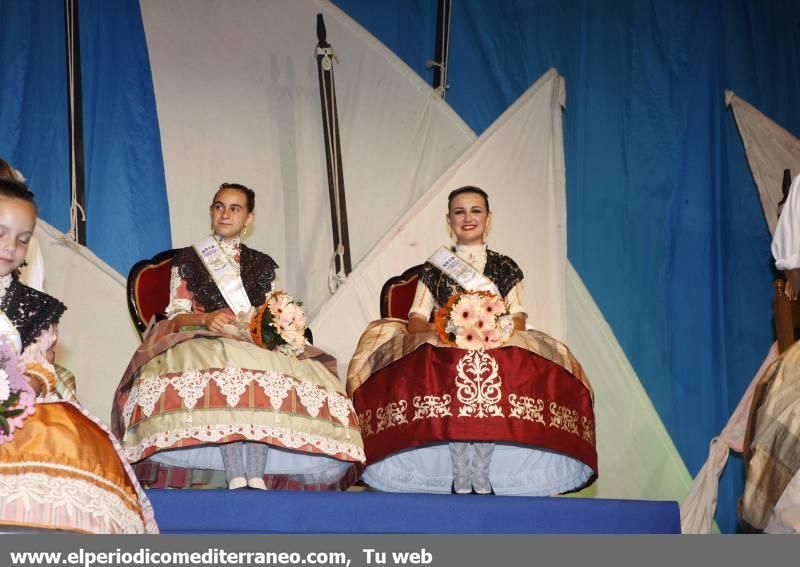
[
  {"x": 8, "y": 330},
  {"x": 462, "y": 272},
  {"x": 225, "y": 277}
]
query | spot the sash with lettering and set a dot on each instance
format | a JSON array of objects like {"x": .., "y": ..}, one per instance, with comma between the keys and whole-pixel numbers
[
  {"x": 224, "y": 275},
  {"x": 462, "y": 272},
  {"x": 410, "y": 391}
]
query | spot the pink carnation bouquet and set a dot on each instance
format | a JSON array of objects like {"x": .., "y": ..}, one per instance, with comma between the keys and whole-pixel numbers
[
  {"x": 474, "y": 320},
  {"x": 280, "y": 324},
  {"x": 16, "y": 395}
]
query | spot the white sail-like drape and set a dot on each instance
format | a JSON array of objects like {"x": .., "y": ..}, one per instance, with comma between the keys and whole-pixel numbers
[
  {"x": 238, "y": 100},
  {"x": 769, "y": 149}
]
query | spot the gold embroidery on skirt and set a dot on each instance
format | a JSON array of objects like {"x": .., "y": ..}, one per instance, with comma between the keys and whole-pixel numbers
[
  {"x": 587, "y": 429},
  {"x": 563, "y": 418},
  {"x": 527, "y": 408},
  {"x": 392, "y": 414},
  {"x": 431, "y": 406},
  {"x": 365, "y": 419}
]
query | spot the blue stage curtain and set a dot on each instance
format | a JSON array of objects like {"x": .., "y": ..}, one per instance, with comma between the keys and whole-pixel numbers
[
  {"x": 126, "y": 195},
  {"x": 408, "y": 27},
  {"x": 33, "y": 103},
  {"x": 126, "y": 200},
  {"x": 664, "y": 223}
]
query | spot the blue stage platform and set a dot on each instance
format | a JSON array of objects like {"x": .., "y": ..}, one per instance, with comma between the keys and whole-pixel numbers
[{"x": 251, "y": 511}]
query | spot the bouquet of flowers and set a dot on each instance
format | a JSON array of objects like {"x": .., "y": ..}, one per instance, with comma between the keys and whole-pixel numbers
[
  {"x": 16, "y": 395},
  {"x": 474, "y": 320},
  {"x": 280, "y": 324}
]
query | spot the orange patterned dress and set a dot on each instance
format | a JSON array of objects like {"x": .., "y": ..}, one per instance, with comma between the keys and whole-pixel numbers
[{"x": 63, "y": 470}]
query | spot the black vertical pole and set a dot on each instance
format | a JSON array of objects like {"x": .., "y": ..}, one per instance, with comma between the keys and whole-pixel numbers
[
  {"x": 75, "y": 114},
  {"x": 333, "y": 156},
  {"x": 442, "y": 47}
]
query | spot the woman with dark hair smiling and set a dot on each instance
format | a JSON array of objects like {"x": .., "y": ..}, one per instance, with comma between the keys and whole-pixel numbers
[
  {"x": 464, "y": 399},
  {"x": 199, "y": 395}
]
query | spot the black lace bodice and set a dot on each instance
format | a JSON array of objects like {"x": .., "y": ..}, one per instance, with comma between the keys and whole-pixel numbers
[
  {"x": 502, "y": 270},
  {"x": 30, "y": 310},
  {"x": 257, "y": 272}
]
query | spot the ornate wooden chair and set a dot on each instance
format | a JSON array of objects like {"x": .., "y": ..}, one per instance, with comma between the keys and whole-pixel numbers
[
  {"x": 397, "y": 293},
  {"x": 148, "y": 289}
]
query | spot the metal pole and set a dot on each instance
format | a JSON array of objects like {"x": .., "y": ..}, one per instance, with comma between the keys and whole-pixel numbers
[
  {"x": 330, "y": 123},
  {"x": 439, "y": 64},
  {"x": 75, "y": 121}
]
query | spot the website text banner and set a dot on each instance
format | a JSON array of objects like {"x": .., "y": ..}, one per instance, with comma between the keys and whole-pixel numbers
[{"x": 388, "y": 550}]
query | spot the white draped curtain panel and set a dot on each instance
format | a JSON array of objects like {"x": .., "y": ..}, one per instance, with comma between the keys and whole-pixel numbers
[
  {"x": 769, "y": 148},
  {"x": 238, "y": 101}
]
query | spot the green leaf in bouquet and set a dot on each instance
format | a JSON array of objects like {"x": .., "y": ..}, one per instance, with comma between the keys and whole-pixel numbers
[
  {"x": 4, "y": 424},
  {"x": 269, "y": 333},
  {"x": 12, "y": 399}
]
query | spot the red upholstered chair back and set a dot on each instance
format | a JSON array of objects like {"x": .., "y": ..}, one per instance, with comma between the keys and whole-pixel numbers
[
  {"x": 397, "y": 293},
  {"x": 148, "y": 289}
]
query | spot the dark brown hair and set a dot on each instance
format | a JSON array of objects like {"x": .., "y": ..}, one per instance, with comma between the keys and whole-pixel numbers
[
  {"x": 10, "y": 187},
  {"x": 249, "y": 193},
  {"x": 467, "y": 189},
  {"x": 6, "y": 170}
]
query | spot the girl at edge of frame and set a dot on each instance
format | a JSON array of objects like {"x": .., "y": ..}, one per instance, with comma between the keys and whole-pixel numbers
[{"x": 62, "y": 469}]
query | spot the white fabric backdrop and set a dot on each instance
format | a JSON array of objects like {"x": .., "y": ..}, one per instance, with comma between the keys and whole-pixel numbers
[
  {"x": 96, "y": 336},
  {"x": 519, "y": 161},
  {"x": 238, "y": 100},
  {"x": 769, "y": 148}
]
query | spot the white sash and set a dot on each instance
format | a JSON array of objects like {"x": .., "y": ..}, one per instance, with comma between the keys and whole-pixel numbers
[
  {"x": 462, "y": 272},
  {"x": 8, "y": 330},
  {"x": 224, "y": 275}
]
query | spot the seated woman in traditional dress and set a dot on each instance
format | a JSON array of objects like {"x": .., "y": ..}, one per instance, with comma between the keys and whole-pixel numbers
[
  {"x": 198, "y": 396},
  {"x": 437, "y": 417},
  {"x": 771, "y": 499},
  {"x": 60, "y": 468}
]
